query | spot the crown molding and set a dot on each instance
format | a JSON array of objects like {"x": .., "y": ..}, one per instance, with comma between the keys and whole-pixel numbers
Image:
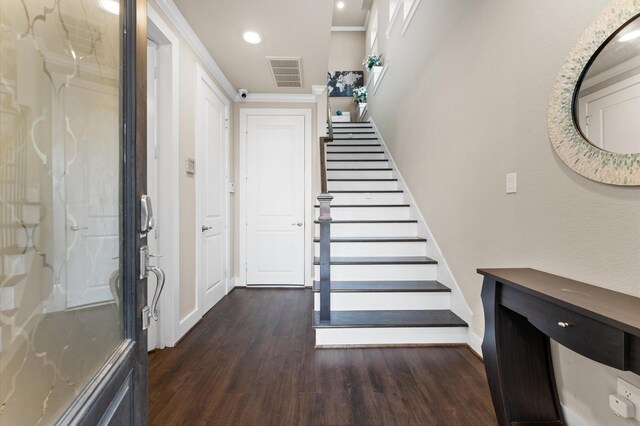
[
  {"x": 185, "y": 30},
  {"x": 278, "y": 97}
]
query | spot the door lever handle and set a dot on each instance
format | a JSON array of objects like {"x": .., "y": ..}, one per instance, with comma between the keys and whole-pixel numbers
[
  {"x": 77, "y": 228},
  {"x": 206, "y": 228},
  {"x": 297, "y": 224}
]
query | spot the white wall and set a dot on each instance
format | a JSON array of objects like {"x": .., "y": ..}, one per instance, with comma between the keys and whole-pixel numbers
[
  {"x": 187, "y": 185},
  {"x": 463, "y": 103},
  {"x": 346, "y": 52}
]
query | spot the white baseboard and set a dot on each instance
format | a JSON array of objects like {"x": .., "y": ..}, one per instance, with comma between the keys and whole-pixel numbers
[
  {"x": 187, "y": 323},
  {"x": 346, "y": 337},
  {"x": 475, "y": 342},
  {"x": 571, "y": 418}
]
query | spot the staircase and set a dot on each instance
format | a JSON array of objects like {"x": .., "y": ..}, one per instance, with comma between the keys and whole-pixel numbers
[{"x": 384, "y": 288}]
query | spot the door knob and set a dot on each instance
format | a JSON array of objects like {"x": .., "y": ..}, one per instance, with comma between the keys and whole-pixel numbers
[
  {"x": 297, "y": 224},
  {"x": 206, "y": 228}
]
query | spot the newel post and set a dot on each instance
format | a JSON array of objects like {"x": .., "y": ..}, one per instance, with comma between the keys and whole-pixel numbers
[{"x": 325, "y": 256}]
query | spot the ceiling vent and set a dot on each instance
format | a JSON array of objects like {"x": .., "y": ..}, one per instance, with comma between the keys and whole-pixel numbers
[{"x": 287, "y": 72}]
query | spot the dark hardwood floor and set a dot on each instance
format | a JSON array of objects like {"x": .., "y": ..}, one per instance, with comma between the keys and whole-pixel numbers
[{"x": 252, "y": 361}]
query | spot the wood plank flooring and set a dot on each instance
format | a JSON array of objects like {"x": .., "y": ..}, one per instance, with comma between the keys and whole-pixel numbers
[{"x": 252, "y": 361}]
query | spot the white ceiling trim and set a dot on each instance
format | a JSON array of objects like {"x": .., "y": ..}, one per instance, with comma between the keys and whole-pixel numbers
[
  {"x": 344, "y": 28},
  {"x": 172, "y": 11},
  {"x": 278, "y": 97}
]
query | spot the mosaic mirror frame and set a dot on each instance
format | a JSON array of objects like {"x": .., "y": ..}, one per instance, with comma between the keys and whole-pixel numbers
[{"x": 570, "y": 145}]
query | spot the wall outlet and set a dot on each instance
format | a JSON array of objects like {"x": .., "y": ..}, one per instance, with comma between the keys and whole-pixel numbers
[{"x": 630, "y": 392}]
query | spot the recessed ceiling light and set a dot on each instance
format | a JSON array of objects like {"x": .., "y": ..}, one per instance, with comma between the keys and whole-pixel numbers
[
  {"x": 630, "y": 36},
  {"x": 340, "y": 5},
  {"x": 252, "y": 37},
  {"x": 111, "y": 6}
]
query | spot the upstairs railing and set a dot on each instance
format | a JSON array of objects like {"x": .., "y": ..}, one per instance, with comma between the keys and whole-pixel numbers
[{"x": 324, "y": 219}]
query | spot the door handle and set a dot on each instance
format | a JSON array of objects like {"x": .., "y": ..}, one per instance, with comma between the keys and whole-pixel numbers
[
  {"x": 77, "y": 228},
  {"x": 160, "y": 278},
  {"x": 149, "y": 312},
  {"x": 206, "y": 228},
  {"x": 297, "y": 224}
]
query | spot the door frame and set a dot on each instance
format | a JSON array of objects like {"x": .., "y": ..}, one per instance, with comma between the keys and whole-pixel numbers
[
  {"x": 308, "y": 229},
  {"x": 169, "y": 161},
  {"x": 203, "y": 77}
]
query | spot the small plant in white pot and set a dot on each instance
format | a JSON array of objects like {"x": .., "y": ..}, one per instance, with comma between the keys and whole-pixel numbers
[
  {"x": 360, "y": 95},
  {"x": 373, "y": 60}
]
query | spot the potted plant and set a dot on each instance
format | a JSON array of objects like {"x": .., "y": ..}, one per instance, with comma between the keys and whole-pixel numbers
[
  {"x": 360, "y": 95},
  {"x": 373, "y": 60}
]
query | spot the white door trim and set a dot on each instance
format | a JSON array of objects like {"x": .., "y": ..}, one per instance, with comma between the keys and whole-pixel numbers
[
  {"x": 168, "y": 142},
  {"x": 308, "y": 231},
  {"x": 202, "y": 76}
]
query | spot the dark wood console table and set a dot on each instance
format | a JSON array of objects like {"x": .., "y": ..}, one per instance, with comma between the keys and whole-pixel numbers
[{"x": 523, "y": 308}]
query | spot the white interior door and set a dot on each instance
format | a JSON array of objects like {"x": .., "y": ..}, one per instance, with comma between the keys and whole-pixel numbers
[
  {"x": 275, "y": 200},
  {"x": 153, "y": 336},
  {"x": 211, "y": 181},
  {"x": 613, "y": 122},
  {"x": 91, "y": 193}
]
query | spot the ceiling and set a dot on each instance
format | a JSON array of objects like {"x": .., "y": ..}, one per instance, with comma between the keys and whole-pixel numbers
[
  {"x": 289, "y": 28},
  {"x": 351, "y": 15}
]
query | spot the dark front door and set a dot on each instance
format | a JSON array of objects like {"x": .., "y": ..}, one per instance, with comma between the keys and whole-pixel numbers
[{"x": 72, "y": 168}]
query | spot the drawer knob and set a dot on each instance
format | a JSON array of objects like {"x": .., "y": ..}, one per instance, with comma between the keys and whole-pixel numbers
[{"x": 564, "y": 324}]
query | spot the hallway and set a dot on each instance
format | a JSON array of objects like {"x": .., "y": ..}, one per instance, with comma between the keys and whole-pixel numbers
[{"x": 251, "y": 361}]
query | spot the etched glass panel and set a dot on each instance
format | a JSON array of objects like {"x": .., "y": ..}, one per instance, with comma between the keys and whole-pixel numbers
[{"x": 61, "y": 312}]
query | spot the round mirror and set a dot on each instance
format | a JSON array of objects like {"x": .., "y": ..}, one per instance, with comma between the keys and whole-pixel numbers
[
  {"x": 594, "y": 108},
  {"x": 606, "y": 104}
]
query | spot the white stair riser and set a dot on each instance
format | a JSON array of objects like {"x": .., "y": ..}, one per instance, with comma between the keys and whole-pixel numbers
[
  {"x": 381, "y": 272},
  {"x": 350, "y": 148},
  {"x": 342, "y": 130},
  {"x": 390, "y": 336},
  {"x": 352, "y": 141},
  {"x": 385, "y": 301},
  {"x": 359, "y": 174},
  {"x": 368, "y": 198},
  {"x": 375, "y": 249},
  {"x": 351, "y": 124},
  {"x": 358, "y": 165},
  {"x": 409, "y": 229},
  {"x": 356, "y": 156},
  {"x": 349, "y": 135},
  {"x": 367, "y": 213},
  {"x": 362, "y": 185}
]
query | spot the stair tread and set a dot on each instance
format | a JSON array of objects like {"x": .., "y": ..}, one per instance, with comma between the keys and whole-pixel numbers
[
  {"x": 352, "y": 138},
  {"x": 365, "y": 191},
  {"x": 373, "y": 221},
  {"x": 384, "y": 287},
  {"x": 366, "y": 205},
  {"x": 386, "y": 169},
  {"x": 355, "y": 152},
  {"x": 374, "y": 240},
  {"x": 395, "y": 318},
  {"x": 363, "y": 180},
  {"x": 352, "y": 144},
  {"x": 379, "y": 260}
]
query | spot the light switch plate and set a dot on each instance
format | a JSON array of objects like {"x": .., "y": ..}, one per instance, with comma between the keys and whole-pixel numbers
[
  {"x": 512, "y": 183},
  {"x": 191, "y": 166},
  {"x": 231, "y": 187}
]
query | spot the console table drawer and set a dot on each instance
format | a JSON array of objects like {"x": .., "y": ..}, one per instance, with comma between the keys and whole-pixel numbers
[{"x": 587, "y": 336}]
